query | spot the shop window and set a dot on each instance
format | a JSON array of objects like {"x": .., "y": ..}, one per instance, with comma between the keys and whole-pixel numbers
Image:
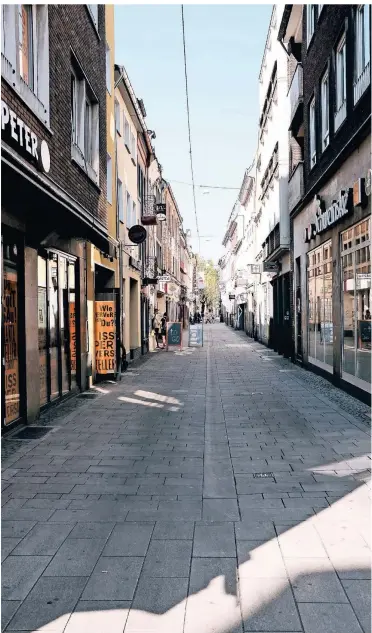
[
  {"x": 42, "y": 329},
  {"x": 11, "y": 334},
  {"x": 356, "y": 307},
  {"x": 320, "y": 319}
]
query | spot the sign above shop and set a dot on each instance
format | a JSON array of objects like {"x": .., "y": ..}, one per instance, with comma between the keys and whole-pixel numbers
[
  {"x": 270, "y": 267},
  {"x": 16, "y": 132},
  {"x": 325, "y": 218}
]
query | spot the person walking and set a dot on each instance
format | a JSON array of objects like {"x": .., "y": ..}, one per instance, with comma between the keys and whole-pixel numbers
[
  {"x": 156, "y": 324},
  {"x": 164, "y": 322}
]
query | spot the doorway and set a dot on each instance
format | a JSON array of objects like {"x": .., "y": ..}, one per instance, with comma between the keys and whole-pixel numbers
[
  {"x": 57, "y": 331},
  {"x": 299, "y": 352}
]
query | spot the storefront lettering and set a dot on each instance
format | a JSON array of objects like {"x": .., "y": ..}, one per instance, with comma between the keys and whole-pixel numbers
[
  {"x": 10, "y": 319},
  {"x": 21, "y": 134},
  {"x": 105, "y": 334},
  {"x": 325, "y": 218}
]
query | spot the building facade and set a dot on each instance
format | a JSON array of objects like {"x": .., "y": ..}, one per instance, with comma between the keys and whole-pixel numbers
[
  {"x": 330, "y": 188},
  {"x": 53, "y": 197}
]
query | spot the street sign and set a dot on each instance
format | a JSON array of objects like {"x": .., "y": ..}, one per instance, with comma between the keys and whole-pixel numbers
[
  {"x": 196, "y": 335},
  {"x": 270, "y": 267},
  {"x": 137, "y": 234},
  {"x": 164, "y": 279}
]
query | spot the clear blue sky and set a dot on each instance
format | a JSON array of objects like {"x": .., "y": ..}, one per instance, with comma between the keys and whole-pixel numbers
[{"x": 225, "y": 44}]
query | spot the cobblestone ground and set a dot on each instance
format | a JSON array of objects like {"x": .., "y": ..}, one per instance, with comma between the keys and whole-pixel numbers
[{"x": 211, "y": 490}]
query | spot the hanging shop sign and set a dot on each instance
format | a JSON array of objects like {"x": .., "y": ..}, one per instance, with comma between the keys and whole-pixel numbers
[
  {"x": 137, "y": 234},
  {"x": 368, "y": 183},
  {"x": 174, "y": 334},
  {"x": 163, "y": 279},
  {"x": 17, "y": 133},
  {"x": 270, "y": 267},
  {"x": 105, "y": 335},
  {"x": 231, "y": 296},
  {"x": 325, "y": 218}
]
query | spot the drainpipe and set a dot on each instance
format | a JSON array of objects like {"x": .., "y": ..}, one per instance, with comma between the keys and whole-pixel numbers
[{"x": 121, "y": 285}]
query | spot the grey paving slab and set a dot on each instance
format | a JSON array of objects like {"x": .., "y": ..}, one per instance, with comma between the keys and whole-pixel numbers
[
  {"x": 49, "y": 605},
  {"x": 158, "y": 606},
  {"x": 8, "y": 609},
  {"x": 173, "y": 530},
  {"x": 129, "y": 539},
  {"x": 268, "y": 605},
  {"x": 76, "y": 557},
  {"x": 220, "y": 510},
  {"x": 98, "y": 616},
  {"x": 359, "y": 594},
  {"x": 44, "y": 539},
  {"x": 7, "y": 546},
  {"x": 333, "y": 618},
  {"x": 19, "y": 574},
  {"x": 113, "y": 578},
  {"x": 314, "y": 580},
  {"x": 214, "y": 540},
  {"x": 167, "y": 559}
]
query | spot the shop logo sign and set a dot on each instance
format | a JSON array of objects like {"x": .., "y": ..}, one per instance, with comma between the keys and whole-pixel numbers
[
  {"x": 325, "y": 218},
  {"x": 18, "y": 133}
]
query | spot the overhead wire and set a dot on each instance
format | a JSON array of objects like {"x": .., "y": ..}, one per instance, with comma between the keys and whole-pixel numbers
[
  {"x": 188, "y": 124},
  {"x": 190, "y": 184}
]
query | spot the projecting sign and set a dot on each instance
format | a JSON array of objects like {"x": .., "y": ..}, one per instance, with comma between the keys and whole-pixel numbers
[
  {"x": 255, "y": 269},
  {"x": 164, "y": 279},
  {"x": 231, "y": 296},
  {"x": 270, "y": 267},
  {"x": 137, "y": 234}
]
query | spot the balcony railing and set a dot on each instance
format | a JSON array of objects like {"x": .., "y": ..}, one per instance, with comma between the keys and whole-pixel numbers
[
  {"x": 362, "y": 83},
  {"x": 296, "y": 186},
  {"x": 296, "y": 90}
]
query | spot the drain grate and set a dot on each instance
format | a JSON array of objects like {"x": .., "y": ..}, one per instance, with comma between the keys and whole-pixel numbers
[
  {"x": 262, "y": 475},
  {"x": 32, "y": 433}
]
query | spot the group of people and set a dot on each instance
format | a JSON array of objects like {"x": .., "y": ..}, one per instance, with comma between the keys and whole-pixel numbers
[{"x": 159, "y": 325}]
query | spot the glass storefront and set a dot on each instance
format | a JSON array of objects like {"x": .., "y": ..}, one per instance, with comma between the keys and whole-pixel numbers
[
  {"x": 11, "y": 325},
  {"x": 320, "y": 319},
  {"x": 56, "y": 324},
  {"x": 356, "y": 301}
]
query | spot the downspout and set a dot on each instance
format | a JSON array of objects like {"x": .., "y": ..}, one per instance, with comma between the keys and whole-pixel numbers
[{"x": 121, "y": 285}]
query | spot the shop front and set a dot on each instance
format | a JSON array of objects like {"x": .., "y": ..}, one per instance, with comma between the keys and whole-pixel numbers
[{"x": 332, "y": 269}]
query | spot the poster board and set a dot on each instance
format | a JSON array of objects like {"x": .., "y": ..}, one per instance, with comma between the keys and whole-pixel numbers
[
  {"x": 105, "y": 336},
  {"x": 174, "y": 335},
  {"x": 196, "y": 335}
]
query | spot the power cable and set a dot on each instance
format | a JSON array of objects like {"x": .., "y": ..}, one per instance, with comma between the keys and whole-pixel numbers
[
  {"x": 188, "y": 124},
  {"x": 190, "y": 184}
]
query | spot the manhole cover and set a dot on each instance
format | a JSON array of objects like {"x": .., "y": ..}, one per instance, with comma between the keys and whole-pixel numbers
[
  {"x": 262, "y": 475},
  {"x": 32, "y": 433}
]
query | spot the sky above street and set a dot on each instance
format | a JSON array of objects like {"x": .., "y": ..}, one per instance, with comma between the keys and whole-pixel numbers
[{"x": 224, "y": 47}]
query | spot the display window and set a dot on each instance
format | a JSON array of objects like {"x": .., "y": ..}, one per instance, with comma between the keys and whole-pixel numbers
[
  {"x": 11, "y": 324},
  {"x": 320, "y": 319},
  {"x": 356, "y": 301}
]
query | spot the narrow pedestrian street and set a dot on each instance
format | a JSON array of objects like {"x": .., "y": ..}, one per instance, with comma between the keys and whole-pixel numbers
[{"x": 212, "y": 490}]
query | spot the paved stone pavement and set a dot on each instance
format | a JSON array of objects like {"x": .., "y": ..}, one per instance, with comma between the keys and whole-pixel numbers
[{"x": 210, "y": 490}]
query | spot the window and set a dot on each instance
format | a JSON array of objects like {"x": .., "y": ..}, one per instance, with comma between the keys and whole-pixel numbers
[
  {"x": 312, "y": 133},
  {"x": 84, "y": 124},
  {"x": 108, "y": 68},
  {"x": 129, "y": 210},
  {"x": 134, "y": 214},
  {"x": 93, "y": 10},
  {"x": 117, "y": 116},
  {"x": 340, "y": 114},
  {"x": 310, "y": 20},
  {"x": 120, "y": 200},
  {"x": 324, "y": 96},
  {"x": 109, "y": 179},
  {"x": 362, "y": 51},
  {"x": 133, "y": 146},
  {"x": 126, "y": 133},
  {"x": 320, "y": 317},
  {"x": 25, "y": 47}
]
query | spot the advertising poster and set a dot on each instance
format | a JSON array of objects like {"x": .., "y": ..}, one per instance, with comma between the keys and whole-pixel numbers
[
  {"x": 72, "y": 323},
  {"x": 196, "y": 335},
  {"x": 10, "y": 307},
  {"x": 105, "y": 336}
]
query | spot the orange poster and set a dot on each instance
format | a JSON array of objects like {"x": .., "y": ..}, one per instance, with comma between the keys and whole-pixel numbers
[
  {"x": 10, "y": 307},
  {"x": 105, "y": 335}
]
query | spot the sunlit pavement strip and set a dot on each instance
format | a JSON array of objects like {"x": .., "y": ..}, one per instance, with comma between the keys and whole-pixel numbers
[{"x": 207, "y": 492}]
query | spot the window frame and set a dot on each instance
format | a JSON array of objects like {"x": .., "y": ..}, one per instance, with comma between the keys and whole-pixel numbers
[
  {"x": 120, "y": 190},
  {"x": 117, "y": 116},
  {"x": 109, "y": 178},
  {"x": 128, "y": 210},
  {"x": 324, "y": 109},
  {"x": 126, "y": 134},
  {"x": 312, "y": 132},
  {"x": 310, "y": 22},
  {"x": 93, "y": 13},
  {"x": 341, "y": 46}
]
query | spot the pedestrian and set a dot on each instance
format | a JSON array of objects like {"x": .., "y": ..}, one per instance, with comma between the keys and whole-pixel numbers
[
  {"x": 156, "y": 324},
  {"x": 368, "y": 315},
  {"x": 164, "y": 322}
]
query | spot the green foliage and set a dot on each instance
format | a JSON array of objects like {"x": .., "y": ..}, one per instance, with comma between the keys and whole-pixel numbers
[{"x": 211, "y": 293}]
